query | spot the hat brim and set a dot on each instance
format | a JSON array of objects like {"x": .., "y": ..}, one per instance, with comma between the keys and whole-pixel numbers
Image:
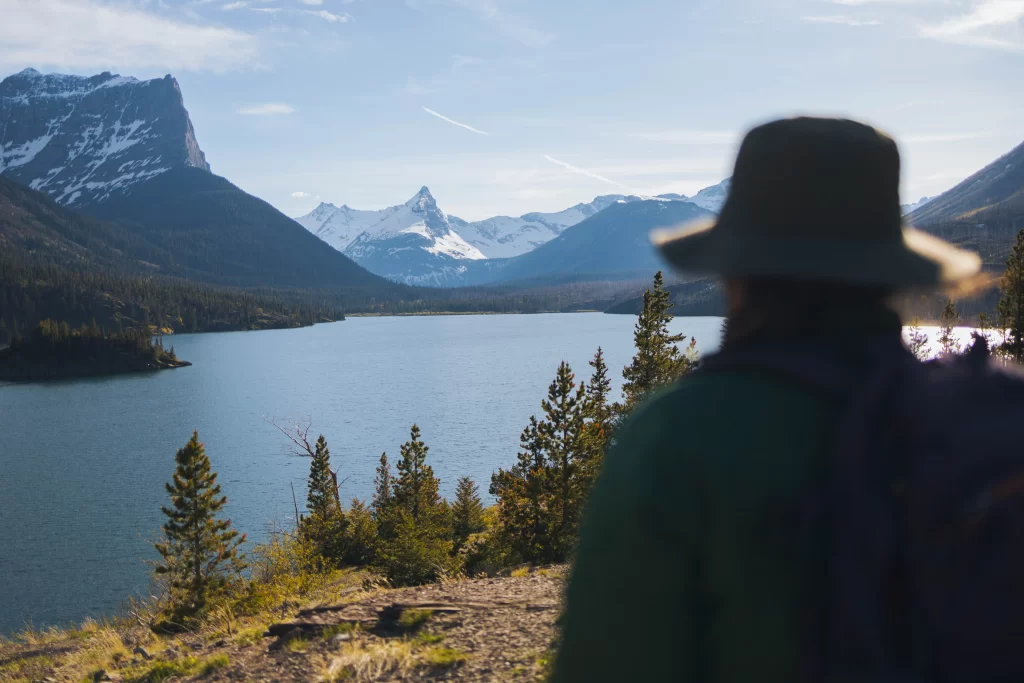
[{"x": 919, "y": 259}]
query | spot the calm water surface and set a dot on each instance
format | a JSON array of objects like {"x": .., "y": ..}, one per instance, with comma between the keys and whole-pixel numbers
[{"x": 83, "y": 462}]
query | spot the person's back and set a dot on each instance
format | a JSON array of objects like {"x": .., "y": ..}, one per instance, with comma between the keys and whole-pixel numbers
[{"x": 692, "y": 563}]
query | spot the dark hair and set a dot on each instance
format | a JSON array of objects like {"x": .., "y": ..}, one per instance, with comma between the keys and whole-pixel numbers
[{"x": 783, "y": 310}]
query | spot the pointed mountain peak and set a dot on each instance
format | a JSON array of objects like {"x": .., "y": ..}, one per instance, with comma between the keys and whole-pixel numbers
[
  {"x": 422, "y": 200},
  {"x": 28, "y": 73}
]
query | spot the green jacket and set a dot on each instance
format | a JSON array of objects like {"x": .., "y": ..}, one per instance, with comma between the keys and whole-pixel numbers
[{"x": 688, "y": 566}]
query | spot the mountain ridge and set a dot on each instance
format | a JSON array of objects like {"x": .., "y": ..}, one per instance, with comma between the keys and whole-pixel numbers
[{"x": 85, "y": 139}]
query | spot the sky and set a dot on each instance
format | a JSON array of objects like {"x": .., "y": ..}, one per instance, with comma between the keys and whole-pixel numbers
[{"x": 503, "y": 107}]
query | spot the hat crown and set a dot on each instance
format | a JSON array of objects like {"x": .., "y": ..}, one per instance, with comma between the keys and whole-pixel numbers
[{"x": 814, "y": 178}]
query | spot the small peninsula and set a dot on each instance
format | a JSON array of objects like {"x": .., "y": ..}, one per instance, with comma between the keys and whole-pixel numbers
[{"x": 54, "y": 350}]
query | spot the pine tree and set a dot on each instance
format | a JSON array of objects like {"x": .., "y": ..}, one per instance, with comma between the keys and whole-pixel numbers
[
  {"x": 322, "y": 498},
  {"x": 325, "y": 525},
  {"x": 521, "y": 494},
  {"x": 597, "y": 431},
  {"x": 1011, "y": 304},
  {"x": 947, "y": 321},
  {"x": 657, "y": 361},
  {"x": 917, "y": 340},
  {"x": 416, "y": 488},
  {"x": 562, "y": 430},
  {"x": 199, "y": 551},
  {"x": 467, "y": 512},
  {"x": 382, "y": 484},
  {"x": 416, "y": 546}
]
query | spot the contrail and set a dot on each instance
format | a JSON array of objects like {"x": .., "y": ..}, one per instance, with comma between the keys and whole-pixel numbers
[
  {"x": 453, "y": 122},
  {"x": 583, "y": 171}
]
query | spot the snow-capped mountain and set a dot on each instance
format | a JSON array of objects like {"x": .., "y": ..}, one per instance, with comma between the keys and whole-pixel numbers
[
  {"x": 85, "y": 139},
  {"x": 712, "y": 198},
  {"x": 412, "y": 242}
]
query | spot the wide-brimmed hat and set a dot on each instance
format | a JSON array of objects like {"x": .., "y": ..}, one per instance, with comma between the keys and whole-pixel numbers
[{"x": 816, "y": 199}]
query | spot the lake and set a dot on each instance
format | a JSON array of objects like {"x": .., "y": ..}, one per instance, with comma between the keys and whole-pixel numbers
[{"x": 84, "y": 462}]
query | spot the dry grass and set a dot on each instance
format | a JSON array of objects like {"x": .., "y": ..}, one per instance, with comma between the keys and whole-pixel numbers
[
  {"x": 520, "y": 572},
  {"x": 370, "y": 661}
]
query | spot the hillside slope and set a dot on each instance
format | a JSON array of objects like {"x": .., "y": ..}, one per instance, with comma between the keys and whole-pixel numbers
[
  {"x": 212, "y": 230},
  {"x": 613, "y": 244}
]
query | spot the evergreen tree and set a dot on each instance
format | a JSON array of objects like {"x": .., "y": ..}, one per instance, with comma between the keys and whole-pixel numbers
[
  {"x": 540, "y": 498},
  {"x": 325, "y": 525},
  {"x": 322, "y": 498},
  {"x": 415, "y": 533},
  {"x": 199, "y": 552},
  {"x": 597, "y": 431},
  {"x": 416, "y": 488},
  {"x": 947, "y": 321},
  {"x": 917, "y": 340},
  {"x": 382, "y": 485},
  {"x": 562, "y": 431},
  {"x": 467, "y": 512},
  {"x": 658, "y": 361},
  {"x": 360, "y": 535},
  {"x": 1011, "y": 303},
  {"x": 521, "y": 494}
]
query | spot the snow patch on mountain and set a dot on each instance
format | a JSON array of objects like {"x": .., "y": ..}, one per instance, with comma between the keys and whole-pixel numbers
[
  {"x": 712, "y": 198},
  {"x": 83, "y": 139}
]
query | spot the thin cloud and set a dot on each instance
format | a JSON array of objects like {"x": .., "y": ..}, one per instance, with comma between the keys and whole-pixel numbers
[
  {"x": 992, "y": 24},
  {"x": 301, "y": 195},
  {"x": 454, "y": 122},
  {"x": 87, "y": 35},
  {"x": 267, "y": 109},
  {"x": 332, "y": 17},
  {"x": 858, "y": 3},
  {"x": 509, "y": 25},
  {"x": 687, "y": 137},
  {"x": 235, "y": 5},
  {"x": 842, "y": 20},
  {"x": 946, "y": 137},
  {"x": 311, "y": 2},
  {"x": 265, "y": 10},
  {"x": 584, "y": 172}
]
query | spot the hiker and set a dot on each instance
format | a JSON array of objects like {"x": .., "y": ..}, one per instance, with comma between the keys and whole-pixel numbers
[{"x": 723, "y": 540}]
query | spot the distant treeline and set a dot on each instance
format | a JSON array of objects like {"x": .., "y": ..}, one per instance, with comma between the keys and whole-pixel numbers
[
  {"x": 32, "y": 292},
  {"x": 55, "y": 349}
]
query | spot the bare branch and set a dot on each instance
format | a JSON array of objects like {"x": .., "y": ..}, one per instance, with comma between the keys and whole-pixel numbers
[{"x": 297, "y": 434}]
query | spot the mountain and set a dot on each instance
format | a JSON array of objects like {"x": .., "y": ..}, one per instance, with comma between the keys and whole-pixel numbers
[
  {"x": 412, "y": 242},
  {"x": 125, "y": 151},
  {"x": 507, "y": 236},
  {"x": 84, "y": 140},
  {"x": 983, "y": 213},
  {"x": 614, "y": 244},
  {"x": 911, "y": 208},
  {"x": 712, "y": 198},
  {"x": 996, "y": 189},
  {"x": 61, "y": 264},
  {"x": 418, "y": 243},
  {"x": 213, "y": 231}
]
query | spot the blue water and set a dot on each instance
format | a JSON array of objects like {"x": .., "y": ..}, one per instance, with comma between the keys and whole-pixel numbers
[{"x": 83, "y": 462}]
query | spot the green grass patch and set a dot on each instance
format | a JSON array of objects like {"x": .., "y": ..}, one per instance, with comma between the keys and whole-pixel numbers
[
  {"x": 214, "y": 664},
  {"x": 428, "y": 638},
  {"x": 337, "y": 629},
  {"x": 414, "y": 618},
  {"x": 443, "y": 657},
  {"x": 176, "y": 668},
  {"x": 297, "y": 645},
  {"x": 249, "y": 636}
]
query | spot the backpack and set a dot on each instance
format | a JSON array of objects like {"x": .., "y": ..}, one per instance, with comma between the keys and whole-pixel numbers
[{"x": 924, "y": 514}]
